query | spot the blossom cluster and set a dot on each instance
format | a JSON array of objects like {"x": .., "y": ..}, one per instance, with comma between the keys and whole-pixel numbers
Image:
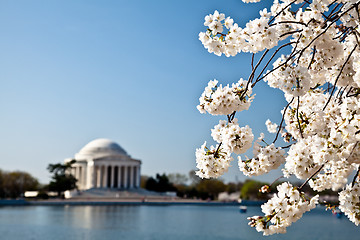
[
  {"x": 255, "y": 37},
  {"x": 234, "y": 138},
  {"x": 271, "y": 127},
  {"x": 350, "y": 203},
  {"x": 265, "y": 159},
  {"x": 317, "y": 68},
  {"x": 212, "y": 162},
  {"x": 284, "y": 208},
  {"x": 326, "y": 137},
  {"x": 219, "y": 100},
  {"x": 296, "y": 79}
]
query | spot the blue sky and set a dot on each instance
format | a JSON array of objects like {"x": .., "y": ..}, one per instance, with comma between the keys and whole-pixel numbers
[{"x": 130, "y": 71}]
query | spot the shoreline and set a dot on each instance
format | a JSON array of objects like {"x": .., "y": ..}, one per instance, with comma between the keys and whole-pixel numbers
[{"x": 123, "y": 202}]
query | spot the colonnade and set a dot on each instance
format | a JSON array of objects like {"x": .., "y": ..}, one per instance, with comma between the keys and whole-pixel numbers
[{"x": 107, "y": 176}]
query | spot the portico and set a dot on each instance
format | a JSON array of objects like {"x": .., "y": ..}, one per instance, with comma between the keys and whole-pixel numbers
[{"x": 102, "y": 163}]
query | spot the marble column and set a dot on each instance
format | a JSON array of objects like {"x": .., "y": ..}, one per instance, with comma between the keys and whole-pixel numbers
[
  {"x": 138, "y": 179},
  {"x": 130, "y": 168},
  {"x": 86, "y": 176},
  {"x": 126, "y": 177},
  {"x": 112, "y": 176},
  {"x": 105, "y": 183},
  {"x": 98, "y": 176},
  {"x": 135, "y": 176},
  {"x": 119, "y": 176},
  {"x": 94, "y": 179}
]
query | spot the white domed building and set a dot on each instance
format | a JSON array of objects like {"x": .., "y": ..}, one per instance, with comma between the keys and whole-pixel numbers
[{"x": 102, "y": 163}]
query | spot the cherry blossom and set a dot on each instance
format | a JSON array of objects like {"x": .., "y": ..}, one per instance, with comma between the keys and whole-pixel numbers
[{"x": 315, "y": 62}]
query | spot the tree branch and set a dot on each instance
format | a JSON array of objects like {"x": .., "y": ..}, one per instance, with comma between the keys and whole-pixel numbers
[
  {"x": 337, "y": 78},
  {"x": 312, "y": 175}
]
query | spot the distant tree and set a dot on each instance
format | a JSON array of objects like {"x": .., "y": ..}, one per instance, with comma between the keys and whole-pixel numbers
[
  {"x": 194, "y": 179},
  {"x": 186, "y": 191},
  {"x": 62, "y": 179},
  {"x": 232, "y": 187},
  {"x": 14, "y": 184},
  {"x": 143, "y": 180},
  {"x": 250, "y": 190},
  {"x": 151, "y": 184},
  {"x": 178, "y": 178},
  {"x": 2, "y": 191},
  {"x": 210, "y": 188},
  {"x": 159, "y": 184}
]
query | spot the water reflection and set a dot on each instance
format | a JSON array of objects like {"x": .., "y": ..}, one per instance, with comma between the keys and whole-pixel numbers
[
  {"x": 99, "y": 217},
  {"x": 158, "y": 223}
]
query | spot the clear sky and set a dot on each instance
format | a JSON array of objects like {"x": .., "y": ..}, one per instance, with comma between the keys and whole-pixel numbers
[{"x": 130, "y": 71}]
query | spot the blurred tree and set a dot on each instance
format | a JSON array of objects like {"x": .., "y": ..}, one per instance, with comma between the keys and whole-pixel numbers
[
  {"x": 210, "y": 188},
  {"x": 62, "y": 180},
  {"x": 250, "y": 190},
  {"x": 178, "y": 178},
  {"x": 143, "y": 181},
  {"x": 232, "y": 187},
  {"x": 159, "y": 184},
  {"x": 194, "y": 179},
  {"x": 14, "y": 184}
]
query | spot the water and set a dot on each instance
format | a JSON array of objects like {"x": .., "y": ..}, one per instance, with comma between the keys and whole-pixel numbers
[{"x": 158, "y": 223}]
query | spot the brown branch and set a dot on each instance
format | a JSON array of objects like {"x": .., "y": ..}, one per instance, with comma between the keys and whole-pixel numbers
[
  {"x": 251, "y": 77},
  {"x": 355, "y": 177},
  {"x": 274, "y": 69},
  {"x": 332, "y": 13},
  {"x": 287, "y": 146},
  {"x": 312, "y": 175},
  {"x": 292, "y": 54},
  {"x": 340, "y": 93},
  {"x": 282, "y": 120},
  {"x": 347, "y": 94},
  {"x": 297, "y": 116},
  {"x": 275, "y": 180},
  {"x": 216, "y": 153},
  {"x": 282, "y": 10},
  {"x": 325, "y": 30},
  {"x": 291, "y": 32},
  {"x": 285, "y": 22},
  {"x": 268, "y": 62},
  {"x": 337, "y": 78},
  {"x": 313, "y": 57},
  {"x": 231, "y": 117},
  {"x": 252, "y": 62}
]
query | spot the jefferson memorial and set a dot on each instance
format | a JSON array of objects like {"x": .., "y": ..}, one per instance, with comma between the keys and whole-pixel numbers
[{"x": 102, "y": 163}]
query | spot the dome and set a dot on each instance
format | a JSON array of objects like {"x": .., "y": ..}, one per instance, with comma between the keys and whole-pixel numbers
[{"x": 102, "y": 147}]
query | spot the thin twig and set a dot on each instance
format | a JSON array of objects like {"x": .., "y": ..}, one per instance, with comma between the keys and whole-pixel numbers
[
  {"x": 253, "y": 73},
  {"x": 282, "y": 120},
  {"x": 313, "y": 57},
  {"x": 291, "y": 32},
  {"x": 312, "y": 175},
  {"x": 355, "y": 177},
  {"x": 252, "y": 62},
  {"x": 275, "y": 180},
  {"x": 216, "y": 153},
  {"x": 286, "y": 22},
  {"x": 287, "y": 146},
  {"x": 337, "y": 78},
  {"x": 282, "y": 10},
  {"x": 297, "y": 116},
  {"x": 268, "y": 62},
  {"x": 325, "y": 30}
]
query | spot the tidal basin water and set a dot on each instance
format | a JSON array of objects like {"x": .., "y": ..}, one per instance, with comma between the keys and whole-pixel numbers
[{"x": 158, "y": 223}]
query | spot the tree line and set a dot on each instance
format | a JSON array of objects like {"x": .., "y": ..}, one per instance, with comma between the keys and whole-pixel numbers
[
  {"x": 191, "y": 186},
  {"x": 13, "y": 184}
]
